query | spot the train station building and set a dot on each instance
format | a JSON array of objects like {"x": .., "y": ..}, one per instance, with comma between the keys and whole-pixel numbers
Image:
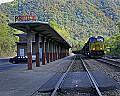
[
  {"x": 22, "y": 45},
  {"x": 40, "y": 39}
]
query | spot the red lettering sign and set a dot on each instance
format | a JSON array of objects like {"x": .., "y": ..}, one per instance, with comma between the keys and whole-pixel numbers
[{"x": 25, "y": 18}]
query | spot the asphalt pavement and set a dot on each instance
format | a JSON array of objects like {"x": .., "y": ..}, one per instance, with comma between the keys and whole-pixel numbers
[{"x": 17, "y": 80}]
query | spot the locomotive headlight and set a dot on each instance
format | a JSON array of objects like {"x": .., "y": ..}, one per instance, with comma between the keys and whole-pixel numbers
[
  {"x": 93, "y": 48},
  {"x": 100, "y": 48}
]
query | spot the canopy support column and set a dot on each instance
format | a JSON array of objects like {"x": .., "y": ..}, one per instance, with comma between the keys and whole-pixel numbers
[
  {"x": 51, "y": 51},
  {"x": 48, "y": 50},
  {"x": 29, "y": 47},
  {"x": 43, "y": 51},
  {"x": 37, "y": 50}
]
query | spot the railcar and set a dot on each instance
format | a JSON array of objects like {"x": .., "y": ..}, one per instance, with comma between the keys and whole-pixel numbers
[{"x": 94, "y": 46}]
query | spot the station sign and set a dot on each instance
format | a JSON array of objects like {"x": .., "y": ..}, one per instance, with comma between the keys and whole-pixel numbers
[{"x": 25, "y": 18}]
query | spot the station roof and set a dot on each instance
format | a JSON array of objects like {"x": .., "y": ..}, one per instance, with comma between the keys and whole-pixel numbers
[{"x": 42, "y": 28}]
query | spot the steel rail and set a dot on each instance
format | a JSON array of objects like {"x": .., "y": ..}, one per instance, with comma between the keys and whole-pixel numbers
[
  {"x": 110, "y": 62},
  {"x": 91, "y": 78},
  {"x": 61, "y": 79}
]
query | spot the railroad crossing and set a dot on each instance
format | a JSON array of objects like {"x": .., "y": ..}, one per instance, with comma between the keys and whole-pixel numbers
[{"x": 53, "y": 45}]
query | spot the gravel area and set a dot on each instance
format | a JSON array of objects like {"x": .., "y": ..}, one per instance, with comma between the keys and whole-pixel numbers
[
  {"x": 109, "y": 70},
  {"x": 77, "y": 65},
  {"x": 112, "y": 59}
]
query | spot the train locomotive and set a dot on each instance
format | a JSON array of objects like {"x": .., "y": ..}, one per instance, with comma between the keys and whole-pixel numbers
[{"x": 94, "y": 47}]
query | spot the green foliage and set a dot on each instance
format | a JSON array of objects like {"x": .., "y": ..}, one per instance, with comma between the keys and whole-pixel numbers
[
  {"x": 83, "y": 18},
  {"x": 118, "y": 26},
  {"x": 7, "y": 40},
  {"x": 64, "y": 33},
  {"x": 112, "y": 45}
]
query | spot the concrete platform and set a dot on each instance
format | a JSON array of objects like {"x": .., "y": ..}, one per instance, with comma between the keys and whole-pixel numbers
[
  {"x": 19, "y": 81},
  {"x": 104, "y": 81},
  {"x": 50, "y": 84},
  {"x": 7, "y": 67}
]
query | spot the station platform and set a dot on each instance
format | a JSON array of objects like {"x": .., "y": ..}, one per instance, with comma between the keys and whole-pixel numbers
[{"x": 19, "y": 81}]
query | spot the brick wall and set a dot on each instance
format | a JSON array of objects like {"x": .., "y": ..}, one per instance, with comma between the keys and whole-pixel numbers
[{"x": 24, "y": 46}]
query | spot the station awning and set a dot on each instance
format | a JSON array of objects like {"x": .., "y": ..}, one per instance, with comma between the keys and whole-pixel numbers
[{"x": 42, "y": 28}]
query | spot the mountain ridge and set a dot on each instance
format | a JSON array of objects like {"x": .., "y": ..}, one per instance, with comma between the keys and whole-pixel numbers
[{"x": 80, "y": 18}]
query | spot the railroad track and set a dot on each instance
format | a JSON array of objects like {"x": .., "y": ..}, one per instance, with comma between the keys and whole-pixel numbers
[
  {"x": 110, "y": 62},
  {"x": 57, "y": 86},
  {"x": 90, "y": 76},
  {"x": 110, "y": 69},
  {"x": 93, "y": 81},
  {"x": 58, "y": 90}
]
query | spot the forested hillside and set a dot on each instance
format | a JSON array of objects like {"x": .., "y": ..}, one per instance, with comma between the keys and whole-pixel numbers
[
  {"x": 7, "y": 40},
  {"x": 82, "y": 18},
  {"x": 113, "y": 46},
  {"x": 73, "y": 19}
]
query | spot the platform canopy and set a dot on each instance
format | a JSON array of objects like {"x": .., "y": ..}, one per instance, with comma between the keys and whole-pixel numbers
[{"x": 42, "y": 28}]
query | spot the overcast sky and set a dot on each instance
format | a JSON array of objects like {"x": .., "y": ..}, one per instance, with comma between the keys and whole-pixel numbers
[{"x": 3, "y": 1}]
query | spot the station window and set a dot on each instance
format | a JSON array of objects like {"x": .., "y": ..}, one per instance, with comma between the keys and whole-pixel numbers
[
  {"x": 100, "y": 39},
  {"x": 93, "y": 40}
]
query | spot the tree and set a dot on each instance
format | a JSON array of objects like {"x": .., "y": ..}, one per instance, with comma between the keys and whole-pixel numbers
[{"x": 118, "y": 26}]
